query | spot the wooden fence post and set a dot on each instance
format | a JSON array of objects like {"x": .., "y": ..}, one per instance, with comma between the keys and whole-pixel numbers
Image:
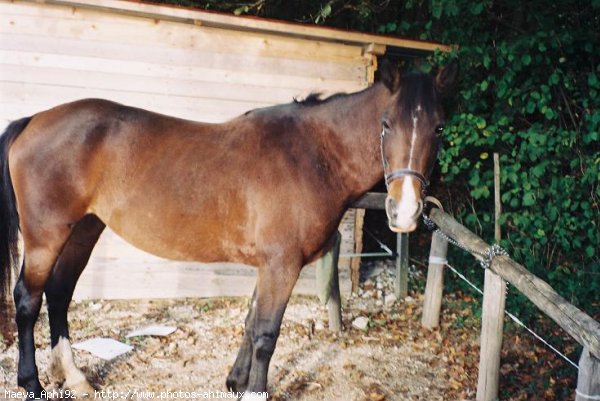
[
  {"x": 334, "y": 305},
  {"x": 492, "y": 318},
  {"x": 492, "y": 321},
  {"x": 435, "y": 282},
  {"x": 588, "y": 380},
  {"x": 328, "y": 283},
  {"x": 358, "y": 246},
  {"x": 401, "y": 285}
]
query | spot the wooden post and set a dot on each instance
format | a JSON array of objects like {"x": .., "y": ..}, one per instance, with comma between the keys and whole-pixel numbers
[
  {"x": 358, "y": 246},
  {"x": 334, "y": 305},
  {"x": 588, "y": 380},
  {"x": 492, "y": 318},
  {"x": 328, "y": 283},
  {"x": 401, "y": 286},
  {"x": 497, "y": 200},
  {"x": 492, "y": 321},
  {"x": 435, "y": 282},
  {"x": 355, "y": 276}
]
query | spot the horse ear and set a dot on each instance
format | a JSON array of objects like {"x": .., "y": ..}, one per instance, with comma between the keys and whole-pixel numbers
[
  {"x": 447, "y": 77},
  {"x": 389, "y": 75}
]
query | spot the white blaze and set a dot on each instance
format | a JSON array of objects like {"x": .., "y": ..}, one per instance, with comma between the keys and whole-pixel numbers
[
  {"x": 413, "y": 138},
  {"x": 409, "y": 204}
]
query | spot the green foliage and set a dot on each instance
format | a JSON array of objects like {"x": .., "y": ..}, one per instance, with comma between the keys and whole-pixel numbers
[{"x": 530, "y": 90}]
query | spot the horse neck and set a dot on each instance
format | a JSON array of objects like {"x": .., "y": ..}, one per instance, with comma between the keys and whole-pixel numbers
[{"x": 352, "y": 138}]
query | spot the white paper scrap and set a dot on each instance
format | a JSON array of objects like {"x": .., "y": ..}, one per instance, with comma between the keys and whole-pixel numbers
[
  {"x": 153, "y": 330},
  {"x": 105, "y": 348}
]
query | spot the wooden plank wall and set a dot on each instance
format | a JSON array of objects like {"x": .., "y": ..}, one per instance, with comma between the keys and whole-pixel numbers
[{"x": 51, "y": 54}]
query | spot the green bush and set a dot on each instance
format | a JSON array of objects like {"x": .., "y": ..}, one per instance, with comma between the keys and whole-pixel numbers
[{"x": 530, "y": 90}]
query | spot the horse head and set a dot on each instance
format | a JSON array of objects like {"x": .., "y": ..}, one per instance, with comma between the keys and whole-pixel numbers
[{"x": 410, "y": 136}]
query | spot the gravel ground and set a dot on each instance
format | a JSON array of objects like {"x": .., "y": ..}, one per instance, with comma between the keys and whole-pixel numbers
[{"x": 391, "y": 359}]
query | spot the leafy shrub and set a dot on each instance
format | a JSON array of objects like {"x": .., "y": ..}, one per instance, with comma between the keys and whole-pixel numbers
[{"x": 530, "y": 91}]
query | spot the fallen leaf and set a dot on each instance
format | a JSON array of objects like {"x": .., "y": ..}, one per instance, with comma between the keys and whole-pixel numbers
[{"x": 376, "y": 397}]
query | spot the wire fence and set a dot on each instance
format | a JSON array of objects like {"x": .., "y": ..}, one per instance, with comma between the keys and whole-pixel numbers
[{"x": 513, "y": 317}]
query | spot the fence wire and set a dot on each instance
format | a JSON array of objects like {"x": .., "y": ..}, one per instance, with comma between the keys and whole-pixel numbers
[{"x": 514, "y": 318}]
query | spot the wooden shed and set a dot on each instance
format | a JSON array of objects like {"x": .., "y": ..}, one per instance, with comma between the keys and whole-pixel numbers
[{"x": 192, "y": 64}]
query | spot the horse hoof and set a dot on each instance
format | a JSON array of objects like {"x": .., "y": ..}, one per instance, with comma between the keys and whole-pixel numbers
[{"x": 235, "y": 386}]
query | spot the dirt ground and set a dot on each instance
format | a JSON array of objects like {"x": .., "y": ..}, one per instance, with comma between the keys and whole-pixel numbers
[
  {"x": 310, "y": 362},
  {"x": 392, "y": 359}
]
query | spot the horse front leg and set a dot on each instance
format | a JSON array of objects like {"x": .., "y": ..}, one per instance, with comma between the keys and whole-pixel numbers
[
  {"x": 237, "y": 380},
  {"x": 273, "y": 289}
]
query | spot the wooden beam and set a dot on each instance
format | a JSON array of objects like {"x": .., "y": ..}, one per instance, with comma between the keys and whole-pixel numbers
[
  {"x": 93, "y": 26},
  {"x": 371, "y": 200},
  {"x": 245, "y": 23},
  {"x": 376, "y": 49},
  {"x": 579, "y": 325}
]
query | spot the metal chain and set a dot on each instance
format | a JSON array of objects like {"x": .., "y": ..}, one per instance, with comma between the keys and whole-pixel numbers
[
  {"x": 486, "y": 257},
  {"x": 491, "y": 253}
]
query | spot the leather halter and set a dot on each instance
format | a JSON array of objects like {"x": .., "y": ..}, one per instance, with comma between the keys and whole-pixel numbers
[{"x": 403, "y": 172}]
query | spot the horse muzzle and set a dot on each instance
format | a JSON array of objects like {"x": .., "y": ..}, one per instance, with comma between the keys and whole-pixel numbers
[{"x": 403, "y": 216}]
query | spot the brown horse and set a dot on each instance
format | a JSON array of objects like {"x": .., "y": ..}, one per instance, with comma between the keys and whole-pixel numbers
[{"x": 267, "y": 189}]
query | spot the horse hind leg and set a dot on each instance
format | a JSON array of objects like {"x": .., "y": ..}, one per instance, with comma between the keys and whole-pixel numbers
[
  {"x": 42, "y": 247},
  {"x": 59, "y": 291}
]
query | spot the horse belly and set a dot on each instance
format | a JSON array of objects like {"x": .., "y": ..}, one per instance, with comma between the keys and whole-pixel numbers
[{"x": 167, "y": 233}]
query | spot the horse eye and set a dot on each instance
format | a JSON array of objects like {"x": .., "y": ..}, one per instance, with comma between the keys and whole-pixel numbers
[
  {"x": 386, "y": 125},
  {"x": 439, "y": 130}
]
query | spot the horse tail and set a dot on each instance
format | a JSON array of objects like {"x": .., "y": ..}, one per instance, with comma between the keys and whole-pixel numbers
[{"x": 9, "y": 224}]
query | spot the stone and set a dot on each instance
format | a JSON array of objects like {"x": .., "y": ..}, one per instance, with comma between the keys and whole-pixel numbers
[
  {"x": 361, "y": 323},
  {"x": 390, "y": 299}
]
